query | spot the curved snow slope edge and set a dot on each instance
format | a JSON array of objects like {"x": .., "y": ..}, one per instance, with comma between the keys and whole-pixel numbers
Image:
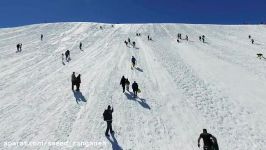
[{"x": 218, "y": 85}]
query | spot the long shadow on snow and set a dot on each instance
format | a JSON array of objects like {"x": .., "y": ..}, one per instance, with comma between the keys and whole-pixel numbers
[
  {"x": 139, "y": 69},
  {"x": 142, "y": 101},
  {"x": 114, "y": 143},
  {"x": 79, "y": 97}
]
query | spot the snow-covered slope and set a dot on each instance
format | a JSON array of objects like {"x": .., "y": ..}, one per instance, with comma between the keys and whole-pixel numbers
[{"x": 219, "y": 85}]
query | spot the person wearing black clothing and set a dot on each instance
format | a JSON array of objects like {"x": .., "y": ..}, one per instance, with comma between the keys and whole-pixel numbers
[
  {"x": 208, "y": 140},
  {"x": 67, "y": 53},
  {"x": 128, "y": 40},
  {"x": 41, "y": 37},
  {"x": 135, "y": 88},
  {"x": 134, "y": 44},
  {"x": 123, "y": 83},
  {"x": 73, "y": 80},
  {"x": 107, "y": 116},
  {"x": 252, "y": 41},
  {"x": 133, "y": 60},
  {"x": 80, "y": 46},
  {"x": 18, "y": 47},
  {"x": 78, "y": 81}
]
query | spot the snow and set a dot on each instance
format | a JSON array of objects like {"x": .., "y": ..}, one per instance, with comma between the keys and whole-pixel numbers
[{"x": 218, "y": 85}]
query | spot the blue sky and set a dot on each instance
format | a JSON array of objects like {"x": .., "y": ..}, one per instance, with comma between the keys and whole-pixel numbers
[{"x": 23, "y": 12}]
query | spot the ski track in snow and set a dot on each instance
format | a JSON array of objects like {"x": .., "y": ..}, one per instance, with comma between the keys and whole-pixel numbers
[{"x": 184, "y": 87}]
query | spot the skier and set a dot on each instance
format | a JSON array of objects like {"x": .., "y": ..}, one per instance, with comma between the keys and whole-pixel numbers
[
  {"x": 80, "y": 46},
  {"x": 252, "y": 41},
  {"x": 78, "y": 81},
  {"x": 249, "y": 36},
  {"x": 123, "y": 83},
  {"x": 210, "y": 142},
  {"x": 107, "y": 116},
  {"x": 41, "y": 37},
  {"x": 135, "y": 88},
  {"x": 127, "y": 84},
  {"x": 200, "y": 38},
  {"x": 133, "y": 60},
  {"x": 186, "y": 38},
  {"x": 67, "y": 53},
  {"x": 148, "y": 37},
  {"x": 128, "y": 40},
  {"x": 73, "y": 80},
  {"x": 178, "y": 41}
]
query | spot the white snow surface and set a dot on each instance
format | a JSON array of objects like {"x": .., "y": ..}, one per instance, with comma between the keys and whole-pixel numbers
[{"x": 219, "y": 85}]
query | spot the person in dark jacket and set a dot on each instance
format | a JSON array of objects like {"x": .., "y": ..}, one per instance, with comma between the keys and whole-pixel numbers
[
  {"x": 209, "y": 141},
  {"x": 133, "y": 60},
  {"x": 18, "y": 45},
  {"x": 123, "y": 83},
  {"x": 128, "y": 40},
  {"x": 107, "y": 115},
  {"x": 78, "y": 81},
  {"x": 135, "y": 88},
  {"x": 41, "y": 37},
  {"x": 73, "y": 80},
  {"x": 80, "y": 46},
  {"x": 252, "y": 41},
  {"x": 67, "y": 54},
  {"x": 134, "y": 44}
]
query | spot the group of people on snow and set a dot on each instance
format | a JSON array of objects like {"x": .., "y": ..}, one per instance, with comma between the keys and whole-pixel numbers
[
  {"x": 129, "y": 42},
  {"x": 124, "y": 82}
]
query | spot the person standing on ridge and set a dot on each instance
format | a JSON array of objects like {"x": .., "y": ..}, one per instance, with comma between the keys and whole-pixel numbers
[
  {"x": 210, "y": 142},
  {"x": 133, "y": 60},
  {"x": 78, "y": 81},
  {"x": 41, "y": 37},
  {"x": 107, "y": 116},
  {"x": 73, "y": 80},
  {"x": 135, "y": 88},
  {"x": 123, "y": 83}
]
